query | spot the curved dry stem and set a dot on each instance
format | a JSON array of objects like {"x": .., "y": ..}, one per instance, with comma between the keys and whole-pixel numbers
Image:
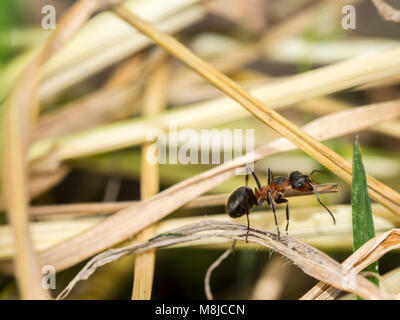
[
  {"x": 371, "y": 251},
  {"x": 387, "y": 11},
  {"x": 312, "y": 261},
  {"x": 216, "y": 263}
]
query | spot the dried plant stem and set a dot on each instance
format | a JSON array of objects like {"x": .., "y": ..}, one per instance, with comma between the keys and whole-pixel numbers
[
  {"x": 19, "y": 113},
  {"x": 154, "y": 102},
  {"x": 302, "y": 87},
  {"x": 216, "y": 263},
  {"x": 89, "y": 53},
  {"x": 112, "y": 207},
  {"x": 390, "y": 282},
  {"x": 312, "y": 261},
  {"x": 323, "y": 105},
  {"x": 42, "y": 182},
  {"x": 291, "y": 26},
  {"x": 378, "y": 191},
  {"x": 310, "y": 224},
  {"x": 118, "y": 98},
  {"x": 370, "y": 116},
  {"x": 370, "y": 252},
  {"x": 387, "y": 11}
]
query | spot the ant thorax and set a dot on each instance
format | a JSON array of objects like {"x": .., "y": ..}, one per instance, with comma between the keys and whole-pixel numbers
[
  {"x": 276, "y": 188},
  {"x": 279, "y": 185},
  {"x": 262, "y": 193}
]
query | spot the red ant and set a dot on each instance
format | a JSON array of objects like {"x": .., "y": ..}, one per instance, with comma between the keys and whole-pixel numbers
[{"x": 243, "y": 199}]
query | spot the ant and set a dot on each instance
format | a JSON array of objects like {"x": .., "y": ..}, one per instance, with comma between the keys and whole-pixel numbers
[{"x": 243, "y": 199}]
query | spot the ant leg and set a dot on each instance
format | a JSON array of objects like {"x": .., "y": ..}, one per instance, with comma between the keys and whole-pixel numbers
[
  {"x": 273, "y": 209},
  {"x": 282, "y": 200},
  {"x": 247, "y": 216},
  {"x": 247, "y": 177},
  {"x": 248, "y": 227}
]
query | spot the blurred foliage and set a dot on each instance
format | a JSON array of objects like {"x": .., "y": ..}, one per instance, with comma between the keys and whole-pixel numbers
[{"x": 9, "y": 18}]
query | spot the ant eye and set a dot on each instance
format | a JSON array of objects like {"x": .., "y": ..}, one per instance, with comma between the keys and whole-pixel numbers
[{"x": 299, "y": 185}]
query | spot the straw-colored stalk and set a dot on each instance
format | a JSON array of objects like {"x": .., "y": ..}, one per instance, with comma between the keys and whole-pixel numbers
[
  {"x": 90, "y": 209},
  {"x": 99, "y": 107},
  {"x": 114, "y": 101},
  {"x": 390, "y": 282},
  {"x": 308, "y": 144},
  {"x": 154, "y": 102},
  {"x": 243, "y": 55},
  {"x": 310, "y": 224},
  {"x": 370, "y": 252},
  {"x": 323, "y": 105},
  {"x": 353, "y": 120},
  {"x": 281, "y": 93},
  {"x": 387, "y": 11},
  {"x": 19, "y": 112},
  {"x": 89, "y": 53}
]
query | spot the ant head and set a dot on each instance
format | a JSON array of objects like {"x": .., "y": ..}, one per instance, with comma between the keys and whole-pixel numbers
[{"x": 300, "y": 182}]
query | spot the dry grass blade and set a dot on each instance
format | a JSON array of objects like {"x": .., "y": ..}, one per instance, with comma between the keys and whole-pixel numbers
[
  {"x": 154, "y": 102},
  {"x": 200, "y": 202},
  {"x": 87, "y": 53},
  {"x": 82, "y": 209},
  {"x": 132, "y": 219},
  {"x": 216, "y": 263},
  {"x": 19, "y": 112},
  {"x": 42, "y": 182},
  {"x": 378, "y": 191},
  {"x": 390, "y": 282},
  {"x": 386, "y": 11},
  {"x": 113, "y": 101},
  {"x": 94, "y": 109},
  {"x": 312, "y": 261},
  {"x": 234, "y": 61},
  {"x": 293, "y": 90},
  {"x": 322, "y": 106},
  {"x": 310, "y": 224},
  {"x": 370, "y": 252}
]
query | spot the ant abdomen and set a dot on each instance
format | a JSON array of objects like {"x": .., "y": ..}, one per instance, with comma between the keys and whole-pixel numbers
[{"x": 240, "y": 202}]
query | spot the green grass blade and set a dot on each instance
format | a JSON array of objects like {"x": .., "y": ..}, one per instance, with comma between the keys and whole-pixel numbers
[{"x": 363, "y": 224}]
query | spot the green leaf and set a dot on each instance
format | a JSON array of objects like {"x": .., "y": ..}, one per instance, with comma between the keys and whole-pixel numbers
[{"x": 363, "y": 224}]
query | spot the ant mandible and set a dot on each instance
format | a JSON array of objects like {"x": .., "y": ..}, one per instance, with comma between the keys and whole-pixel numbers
[{"x": 243, "y": 199}]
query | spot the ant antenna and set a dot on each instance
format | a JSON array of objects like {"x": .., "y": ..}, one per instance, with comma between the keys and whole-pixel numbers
[
  {"x": 314, "y": 171},
  {"x": 319, "y": 200},
  {"x": 255, "y": 177}
]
